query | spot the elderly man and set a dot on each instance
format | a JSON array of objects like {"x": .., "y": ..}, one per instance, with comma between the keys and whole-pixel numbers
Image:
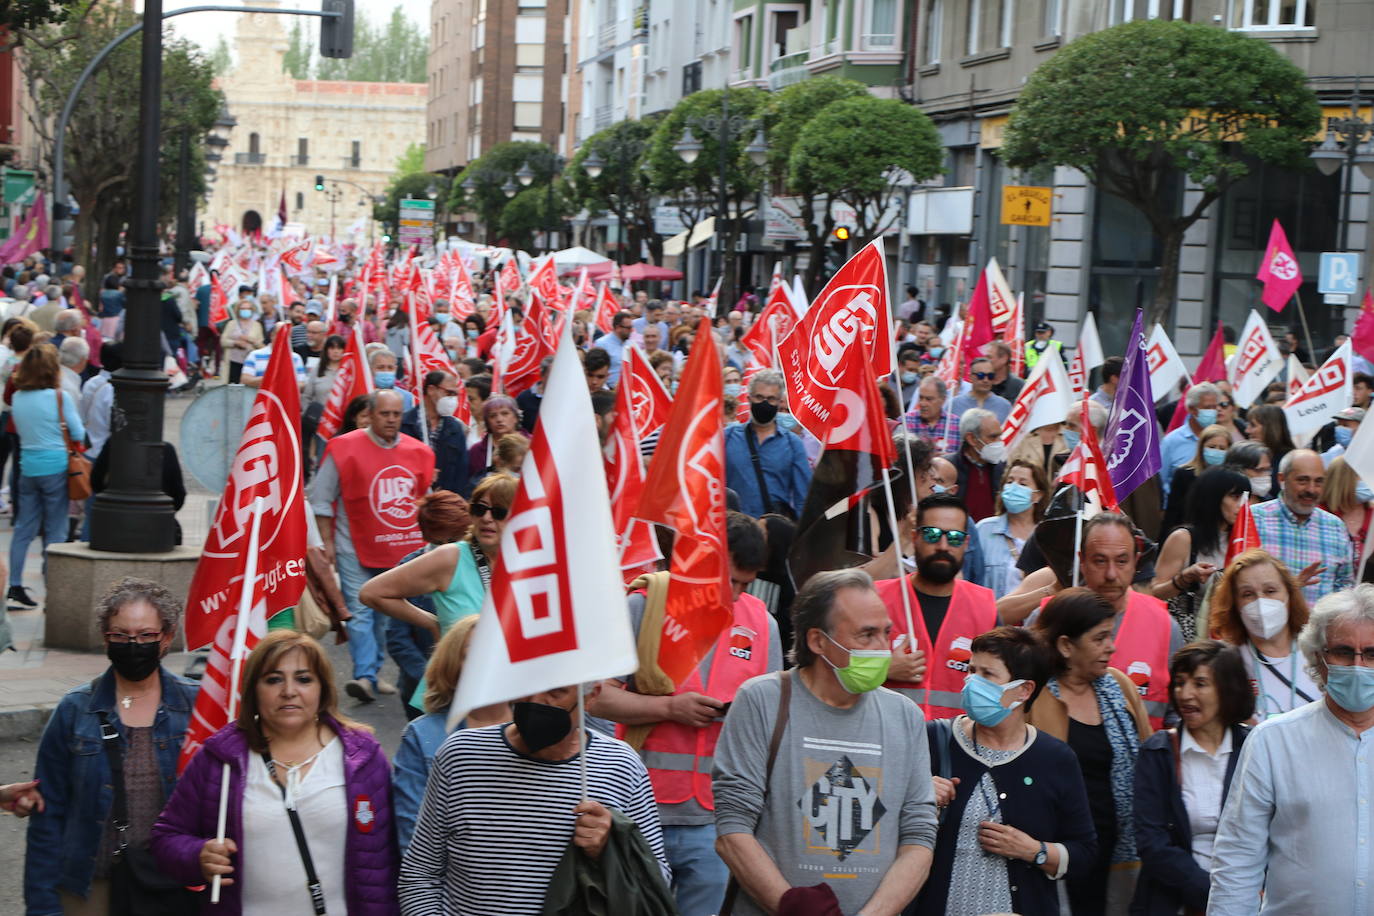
[
  {"x": 382, "y": 363},
  {"x": 979, "y": 395},
  {"x": 1004, "y": 384},
  {"x": 929, "y": 420},
  {"x": 765, "y": 464},
  {"x": 846, "y": 799},
  {"x": 503, "y": 803},
  {"x": 316, "y": 332},
  {"x": 1296, "y": 833},
  {"x": 349, "y": 317},
  {"x": 363, "y": 497},
  {"x": 614, "y": 343},
  {"x": 74, "y": 355},
  {"x": 1313, "y": 542},
  {"x": 653, "y": 340},
  {"x": 67, "y": 323},
  {"x": 255, "y": 365},
  {"x": 1180, "y": 446},
  {"x": 980, "y": 461},
  {"x": 909, "y": 372}
]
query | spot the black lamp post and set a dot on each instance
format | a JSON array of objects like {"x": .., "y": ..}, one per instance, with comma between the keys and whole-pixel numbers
[
  {"x": 132, "y": 514},
  {"x": 622, "y": 156},
  {"x": 525, "y": 176},
  {"x": 1344, "y": 148}
]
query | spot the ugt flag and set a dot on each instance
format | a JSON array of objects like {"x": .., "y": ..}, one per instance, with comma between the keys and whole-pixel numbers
[
  {"x": 556, "y": 613},
  {"x": 1132, "y": 436}
]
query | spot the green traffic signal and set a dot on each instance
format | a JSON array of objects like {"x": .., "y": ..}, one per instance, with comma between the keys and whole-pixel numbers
[{"x": 319, "y": 182}]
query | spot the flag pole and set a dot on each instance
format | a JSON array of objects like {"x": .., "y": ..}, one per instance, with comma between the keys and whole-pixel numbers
[
  {"x": 1302, "y": 316},
  {"x": 417, "y": 381},
  {"x": 1078, "y": 538},
  {"x": 901, "y": 558},
  {"x": 333, "y": 290},
  {"x": 250, "y": 576},
  {"x": 582, "y": 727}
]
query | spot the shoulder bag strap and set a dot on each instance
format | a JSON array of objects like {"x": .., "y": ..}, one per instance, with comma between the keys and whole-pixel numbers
[
  {"x": 779, "y": 726},
  {"x": 758, "y": 467},
  {"x": 119, "y": 809},
  {"x": 62, "y": 420},
  {"x": 312, "y": 881},
  {"x": 1178, "y": 754}
]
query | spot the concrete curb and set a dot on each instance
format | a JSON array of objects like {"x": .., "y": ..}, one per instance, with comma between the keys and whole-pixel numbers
[{"x": 24, "y": 722}]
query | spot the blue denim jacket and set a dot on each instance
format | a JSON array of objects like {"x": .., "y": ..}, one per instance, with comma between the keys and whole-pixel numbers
[
  {"x": 74, "y": 778},
  {"x": 410, "y": 770}
]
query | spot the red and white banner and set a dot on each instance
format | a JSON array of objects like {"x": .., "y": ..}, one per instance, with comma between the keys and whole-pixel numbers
[
  {"x": 1256, "y": 361},
  {"x": 1331, "y": 388},
  {"x": 428, "y": 355},
  {"x": 1243, "y": 534},
  {"x": 852, "y": 310},
  {"x": 464, "y": 301},
  {"x": 555, "y": 614},
  {"x": 544, "y": 282},
  {"x": 651, "y": 402},
  {"x": 1297, "y": 376},
  {"x": 774, "y": 323},
  {"x": 1015, "y": 336},
  {"x": 1086, "y": 469},
  {"x": 354, "y": 378},
  {"x": 1279, "y": 271},
  {"x": 510, "y": 276},
  {"x": 1044, "y": 399},
  {"x": 1166, "y": 366},
  {"x": 683, "y": 491},
  {"x": 266, "y": 471},
  {"x": 1001, "y": 303},
  {"x": 625, "y": 471},
  {"x": 607, "y": 305}
]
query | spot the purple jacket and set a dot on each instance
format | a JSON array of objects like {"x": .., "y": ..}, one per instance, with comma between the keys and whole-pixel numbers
[{"x": 371, "y": 856}]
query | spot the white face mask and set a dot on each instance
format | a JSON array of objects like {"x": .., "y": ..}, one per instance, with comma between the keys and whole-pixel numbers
[
  {"x": 993, "y": 453},
  {"x": 1264, "y": 618},
  {"x": 1260, "y": 486},
  {"x": 446, "y": 406}
]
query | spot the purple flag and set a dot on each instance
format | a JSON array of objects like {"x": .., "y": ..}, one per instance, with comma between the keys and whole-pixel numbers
[{"x": 1132, "y": 437}]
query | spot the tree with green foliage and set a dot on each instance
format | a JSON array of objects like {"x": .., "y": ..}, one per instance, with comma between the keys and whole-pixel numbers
[
  {"x": 527, "y": 215},
  {"x": 394, "y": 52},
  {"x": 788, "y": 113},
  {"x": 1136, "y": 104},
  {"x": 28, "y": 15},
  {"x": 300, "y": 53},
  {"x": 622, "y": 188},
  {"x": 410, "y": 181},
  {"x": 490, "y": 172},
  {"x": 695, "y": 186},
  {"x": 103, "y": 130},
  {"x": 221, "y": 58}
]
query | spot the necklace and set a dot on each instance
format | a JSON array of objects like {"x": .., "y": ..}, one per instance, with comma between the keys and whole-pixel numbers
[{"x": 127, "y": 701}]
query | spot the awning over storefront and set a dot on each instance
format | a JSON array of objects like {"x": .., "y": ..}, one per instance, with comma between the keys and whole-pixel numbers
[{"x": 702, "y": 232}]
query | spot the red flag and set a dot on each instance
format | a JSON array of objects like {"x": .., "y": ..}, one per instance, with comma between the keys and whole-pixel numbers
[
  {"x": 625, "y": 472},
  {"x": 978, "y": 325},
  {"x": 1279, "y": 271},
  {"x": 684, "y": 492},
  {"x": 510, "y": 276},
  {"x": 774, "y": 323},
  {"x": 528, "y": 347},
  {"x": 1014, "y": 333},
  {"x": 353, "y": 378},
  {"x": 651, "y": 402},
  {"x": 1211, "y": 368},
  {"x": 1087, "y": 470},
  {"x": 267, "y": 466},
  {"x": 860, "y": 424},
  {"x": 219, "y": 302},
  {"x": 464, "y": 299},
  {"x": 1243, "y": 534},
  {"x": 544, "y": 281},
  {"x": 851, "y": 309},
  {"x": 1363, "y": 336},
  {"x": 607, "y": 304}
]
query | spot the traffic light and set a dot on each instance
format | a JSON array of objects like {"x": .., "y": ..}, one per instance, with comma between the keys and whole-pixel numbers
[
  {"x": 841, "y": 233},
  {"x": 336, "y": 32},
  {"x": 319, "y": 182}
]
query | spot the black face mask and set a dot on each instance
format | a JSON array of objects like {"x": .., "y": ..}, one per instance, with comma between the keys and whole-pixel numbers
[
  {"x": 134, "y": 661},
  {"x": 541, "y": 725},
  {"x": 763, "y": 412}
]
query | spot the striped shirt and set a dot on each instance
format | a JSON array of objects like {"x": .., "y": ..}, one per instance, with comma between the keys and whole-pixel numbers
[
  {"x": 494, "y": 822},
  {"x": 255, "y": 364},
  {"x": 1322, "y": 538}
]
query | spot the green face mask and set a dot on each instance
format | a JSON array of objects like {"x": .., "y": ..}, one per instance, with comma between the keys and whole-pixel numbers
[{"x": 867, "y": 668}]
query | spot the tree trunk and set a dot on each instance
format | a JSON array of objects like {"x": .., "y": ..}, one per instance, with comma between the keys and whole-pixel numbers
[
  {"x": 820, "y": 244},
  {"x": 1166, "y": 292},
  {"x": 83, "y": 236}
]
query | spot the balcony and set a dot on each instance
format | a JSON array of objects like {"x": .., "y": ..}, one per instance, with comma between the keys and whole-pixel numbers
[
  {"x": 300, "y": 160},
  {"x": 785, "y": 71},
  {"x": 350, "y": 162},
  {"x": 250, "y": 158},
  {"x": 605, "y": 37},
  {"x": 604, "y": 114}
]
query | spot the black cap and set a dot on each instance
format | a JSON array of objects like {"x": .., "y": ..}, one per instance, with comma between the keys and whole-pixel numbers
[{"x": 1043, "y": 326}]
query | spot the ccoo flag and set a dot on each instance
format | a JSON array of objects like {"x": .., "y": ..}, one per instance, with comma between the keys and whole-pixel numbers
[
  {"x": 556, "y": 612},
  {"x": 1279, "y": 271},
  {"x": 1132, "y": 435},
  {"x": 1331, "y": 388},
  {"x": 1256, "y": 361}
]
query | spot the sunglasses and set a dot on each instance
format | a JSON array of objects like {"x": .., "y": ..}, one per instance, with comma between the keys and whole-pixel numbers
[
  {"x": 499, "y": 513},
  {"x": 983, "y": 376},
  {"x": 931, "y": 535},
  {"x": 1223, "y": 404}
]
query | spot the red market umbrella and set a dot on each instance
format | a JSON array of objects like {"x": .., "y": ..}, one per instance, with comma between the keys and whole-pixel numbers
[{"x": 634, "y": 272}]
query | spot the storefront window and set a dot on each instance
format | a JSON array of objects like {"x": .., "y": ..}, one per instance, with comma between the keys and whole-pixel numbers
[{"x": 1126, "y": 259}]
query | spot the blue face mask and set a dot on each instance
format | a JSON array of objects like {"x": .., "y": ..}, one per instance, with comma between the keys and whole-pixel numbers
[
  {"x": 1363, "y": 493},
  {"x": 938, "y": 488},
  {"x": 1071, "y": 438},
  {"x": 384, "y": 379},
  {"x": 1351, "y": 686},
  {"x": 245, "y": 314},
  {"x": 1206, "y": 416},
  {"x": 1343, "y": 436},
  {"x": 472, "y": 333},
  {"x": 1213, "y": 456},
  {"x": 732, "y": 389},
  {"x": 909, "y": 378},
  {"x": 442, "y": 317},
  {"x": 982, "y": 700},
  {"x": 1016, "y": 498},
  {"x": 786, "y": 422},
  {"x": 936, "y": 352}
]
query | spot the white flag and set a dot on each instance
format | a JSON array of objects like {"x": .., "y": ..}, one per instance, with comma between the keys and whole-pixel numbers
[
  {"x": 1044, "y": 399},
  {"x": 1166, "y": 366},
  {"x": 1000, "y": 300},
  {"x": 1331, "y": 388},
  {"x": 1297, "y": 376},
  {"x": 1256, "y": 362},
  {"x": 555, "y": 614},
  {"x": 1089, "y": 344},
  {"x": 799, "y": 301}
]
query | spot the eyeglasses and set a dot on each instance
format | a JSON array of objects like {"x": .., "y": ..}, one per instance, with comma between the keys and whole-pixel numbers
[
  {"x": 931, "y": 535},
  {"x": 982, "y": 376},
  {"x": 1345, "y": 655},
  {"x": 123, "y": 639},
  {"x": 499, "y": 513},
  {"x": 759, "y": 399}
]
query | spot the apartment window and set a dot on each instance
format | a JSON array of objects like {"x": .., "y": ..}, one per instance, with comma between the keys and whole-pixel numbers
[
  {"x": 300, "y": 201},
  {"x": 744, "y": 42},
  {"x": 691, "y": 78},
  {"x": 963, "y": 163},
  {"x": 1050, "y": 19},
  {"x": 254, "y": 144},
  {"x": 783, "y": 21},
  {"x": 1127, "y": 10},
  {"x": 935, "y": 27},
  {"x": 528, "y": 115},
  {"x": 882, "y": 24},
  {"x": 529, "y": 56},
  {"x": 1273, "y": 14},
  {"x": 303, "y": 151},
  {"x": 1004, "y": 26},
  {"x": 357, "y": 156},
  {"x": 989, "y": 24}
]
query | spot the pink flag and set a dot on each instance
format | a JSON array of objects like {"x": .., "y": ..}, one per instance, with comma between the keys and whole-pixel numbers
[
  {"x": 1363, "y": 338},
  {"x": 1279, "y": 270}
]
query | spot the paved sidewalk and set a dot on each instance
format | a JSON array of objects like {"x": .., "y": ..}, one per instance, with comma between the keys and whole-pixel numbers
[{"x": 34, "y": 678}]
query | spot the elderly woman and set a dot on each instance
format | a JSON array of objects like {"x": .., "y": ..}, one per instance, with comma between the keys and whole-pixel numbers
[
  {"x": 1016, "y": 814},
  {"x": 144, "y": 709},
  {"x": 424, "y": 735},
  {"x": 1252, "y": 459},
  {"x": 500, "y": 417},
  {"x": 1183, "y": 775},
  {"x": 1259, "y": 608},
  {"x": 293, "y": 759},
  {"x": 1099, "y": 713}
]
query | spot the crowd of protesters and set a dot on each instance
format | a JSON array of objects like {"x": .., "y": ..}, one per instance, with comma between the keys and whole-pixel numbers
[{"x": 995, "y": 713}]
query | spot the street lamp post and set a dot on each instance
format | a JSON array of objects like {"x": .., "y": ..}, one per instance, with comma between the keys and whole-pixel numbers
[
  {"x": 525, "y": 176},
  {"x": 1345, "y": 147},
  {"x": 132, "y": 513},
  {"x": 623, "y": 154}
]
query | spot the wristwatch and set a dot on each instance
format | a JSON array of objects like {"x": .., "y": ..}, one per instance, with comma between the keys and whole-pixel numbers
[{"x": 1042, "y": 855}]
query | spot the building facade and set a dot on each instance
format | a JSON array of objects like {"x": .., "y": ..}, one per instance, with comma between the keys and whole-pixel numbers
[{"x": 289, "y": 131}]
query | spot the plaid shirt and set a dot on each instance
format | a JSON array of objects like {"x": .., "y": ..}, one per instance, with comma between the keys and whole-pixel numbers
[
  {"x": 1321, "y": 539},
  {"x": 942, "y": 433}
]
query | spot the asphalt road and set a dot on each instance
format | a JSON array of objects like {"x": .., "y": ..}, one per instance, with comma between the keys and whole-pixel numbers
[{"x": 17, "y": 760}]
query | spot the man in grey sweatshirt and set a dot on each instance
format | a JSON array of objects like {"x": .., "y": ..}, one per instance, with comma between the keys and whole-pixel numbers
[{"x": 850, "y": 802}]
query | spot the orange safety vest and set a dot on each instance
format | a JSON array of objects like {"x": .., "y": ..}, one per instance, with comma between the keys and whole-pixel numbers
[
  {"x": 1142, "y": 652},
  {"x": 972, "y": 612},
  {"x": 679, "y": 757},
  {"x": 378, "y": 489}
]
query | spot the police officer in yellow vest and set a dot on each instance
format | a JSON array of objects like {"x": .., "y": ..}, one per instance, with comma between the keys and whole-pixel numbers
[
  {"x": 675, "y": 727},
  {"x": 1043, "y": 341}
]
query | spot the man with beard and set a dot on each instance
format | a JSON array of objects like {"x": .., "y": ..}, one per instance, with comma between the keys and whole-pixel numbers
[{"x": 931, "y": 670}]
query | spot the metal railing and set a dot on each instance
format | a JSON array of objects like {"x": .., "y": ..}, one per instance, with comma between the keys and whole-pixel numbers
[
  {"x": 300, "y": 160},
  {"x": 351, "y": 162},
  {"x": 250, "y": 158},
  {"x": 788, "y": 70},
  {"x": 603, "y": 116}
]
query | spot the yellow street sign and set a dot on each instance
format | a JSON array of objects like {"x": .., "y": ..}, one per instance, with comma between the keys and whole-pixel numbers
[{"x": 1024, "y": 205}]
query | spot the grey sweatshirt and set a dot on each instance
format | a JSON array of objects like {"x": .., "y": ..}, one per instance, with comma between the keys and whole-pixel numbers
[{"x": 849, "y": 786}]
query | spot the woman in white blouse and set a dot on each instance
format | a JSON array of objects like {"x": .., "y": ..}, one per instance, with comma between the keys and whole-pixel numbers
[{"x": 1183, "y": 774}]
